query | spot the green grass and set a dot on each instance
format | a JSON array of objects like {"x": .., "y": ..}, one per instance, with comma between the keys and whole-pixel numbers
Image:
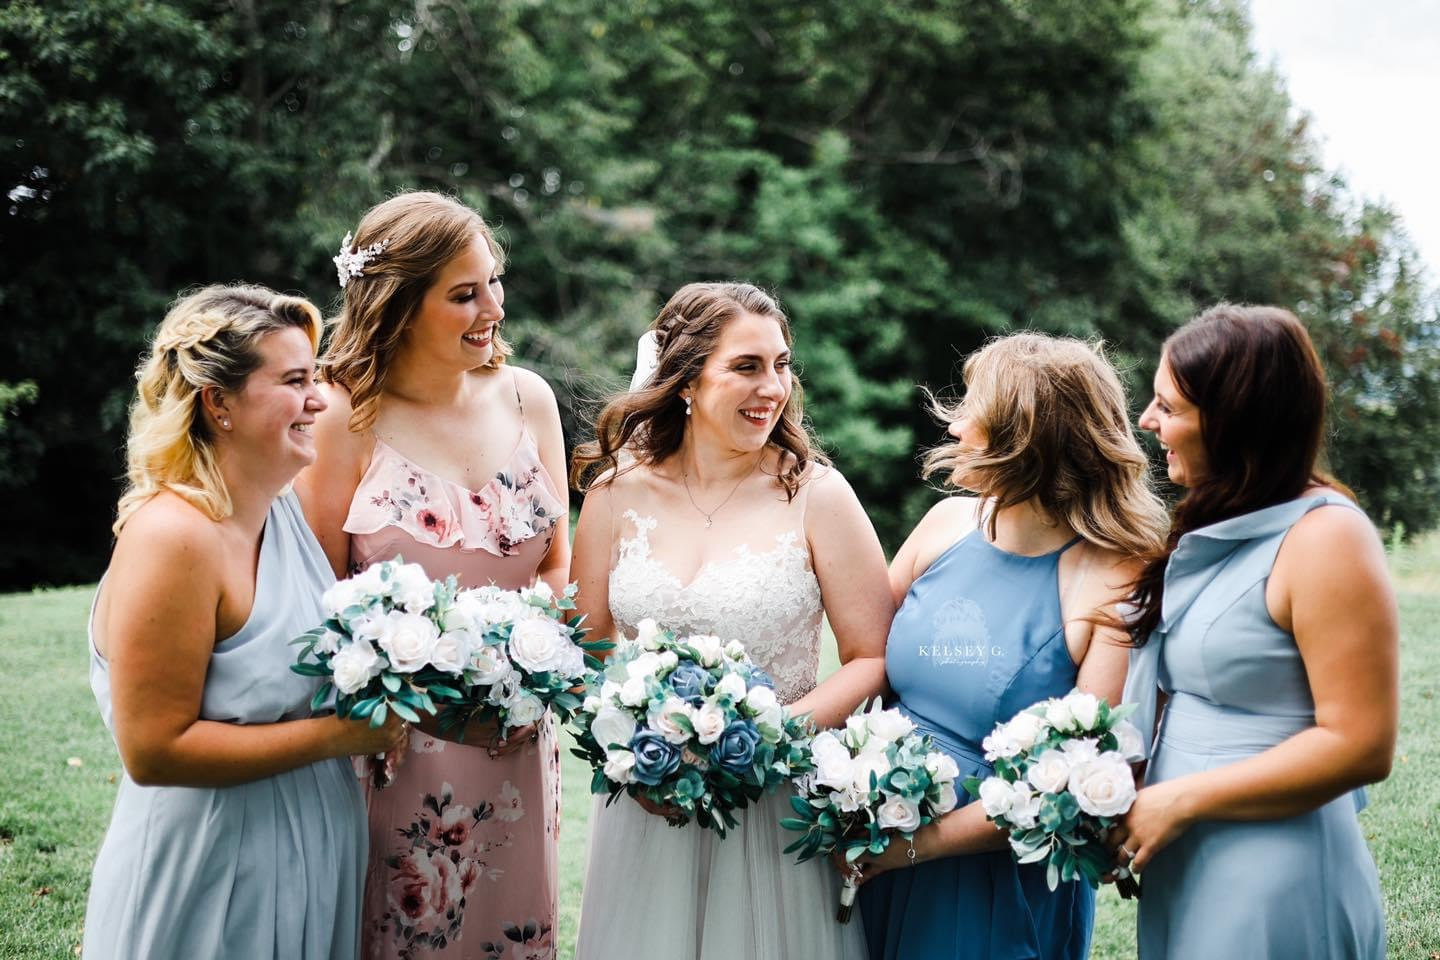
[{"x": 53, "y": 813}]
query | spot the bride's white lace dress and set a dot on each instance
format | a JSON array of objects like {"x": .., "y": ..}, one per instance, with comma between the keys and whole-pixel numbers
[{"x": 656, "y": 892}]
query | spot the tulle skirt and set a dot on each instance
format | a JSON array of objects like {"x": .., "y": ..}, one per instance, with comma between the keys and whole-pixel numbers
[{"x": 657, "y": 892}]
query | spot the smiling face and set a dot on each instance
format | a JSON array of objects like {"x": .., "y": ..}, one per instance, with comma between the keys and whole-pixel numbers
[
  {"x": 1175, "y": 421},
  {"x": 272, "y": 414},
  {"x": 458, "y": 316},
  {"x": 742, "y": 389}
]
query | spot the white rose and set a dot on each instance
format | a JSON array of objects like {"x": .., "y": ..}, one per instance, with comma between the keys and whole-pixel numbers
[
  {"x": 408, "y": 640},
  {"x": 867, "y": 763},
  {"x": 411, "y": 589},
  {"x": 525, "y": 708},
  {"x": 591, "y": 704},
  {"x": 857, "y": 731},
  {"x": 452, "y": 650},
  {"x": 1104, "y": 787},
  {"x": 897, "y": 813},
  {"x": 731, "y": 685},
  {"x": 645, "y": 665},
  {"x": 1028, "y": 729},
  {"x": 1001, "y": 743},
  {"x": 506, "y": 689},
  {"x": 709, "y": 722},
  {"x": 648, "y": 634},
  {"x": 1049, "y": 772},
  {"x": 1058, "y": 713},
  {"x": 620, "y": 766},
  {"x": 1024, "y": 806},
  {"x": 768, "y": 713},
  {"x": 343, "y": 595},
  {"x": 612, "y": 725},
  {"x": 669, "y": 659},
  {"x": 1129, "y": 741},
  {"x": 633, "y": 693},
  {"x": 538, "y": 645},
  {"x": 354, "y": 666},
  {"x": 948, "y": 798},
  {"x": 488, "y": 665},
  {"x": 889, "y": 725},
  {"x": 663, "y": 719},
  {"x": 834, "y": 768},
  {"x": 941, "y": 766},
  {"x": 1085, "y": 707},
  {"x": 541, "y": 591},
  {"x": 997, "y": 795},
  {"x": 735, "y": 650},
  {"x": 707, "y": 648}
]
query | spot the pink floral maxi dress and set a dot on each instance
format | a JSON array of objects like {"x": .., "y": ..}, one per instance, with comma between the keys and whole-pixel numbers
[{"x": 463, "y": 847}]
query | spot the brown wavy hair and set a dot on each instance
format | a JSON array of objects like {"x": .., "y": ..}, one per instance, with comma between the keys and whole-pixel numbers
[
  {"x": 1254, "y": 375},
  {"x": 649, "y": 423},
  {"x": 209, "y": 338},
  {"x": 422, "y": 232},
  {"x": 1059, "y": 432}
]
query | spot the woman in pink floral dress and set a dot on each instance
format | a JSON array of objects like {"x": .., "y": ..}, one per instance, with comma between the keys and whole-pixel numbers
[{"x": 436, "y": 449}]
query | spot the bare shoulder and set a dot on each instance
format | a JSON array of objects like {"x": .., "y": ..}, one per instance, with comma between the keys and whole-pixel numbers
[
  {"x": 168, "y": 532},
  {"x": 1109, "y": 572},
  {"x": 333, "y": 423},
  {"x": 533, "y": 387},
  {"x": 950, "y": 513},
  {"x": 1329, "y": 534}
]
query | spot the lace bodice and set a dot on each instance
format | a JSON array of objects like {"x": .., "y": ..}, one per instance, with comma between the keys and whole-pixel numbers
[{"x": 769, "y": 600}]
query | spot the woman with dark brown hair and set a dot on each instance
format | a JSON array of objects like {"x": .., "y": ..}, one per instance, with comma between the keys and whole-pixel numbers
[
  {"x": 709, "y": 510},
  {"x": 435, "y": 447},
  {"x": 1269, "y": 626}
]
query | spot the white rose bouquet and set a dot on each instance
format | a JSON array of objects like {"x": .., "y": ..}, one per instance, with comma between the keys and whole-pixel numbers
[
  {"x": 872, "y": 780},
  {"x": 384, "y": 646},
  {"x": 688, "y": 723},
  {"x": 1062, "y": 779},
  {"x": 525, "y": 653}
]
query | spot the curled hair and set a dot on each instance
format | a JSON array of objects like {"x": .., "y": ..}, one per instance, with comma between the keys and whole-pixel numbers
[
  {"x": 210, "y": 338},
  {"x": 422, "y": 232},
  {"x": 1058, "y": 432},
  {"x": 649, "y": 423},
  {"x": 1259, "y": 386}
]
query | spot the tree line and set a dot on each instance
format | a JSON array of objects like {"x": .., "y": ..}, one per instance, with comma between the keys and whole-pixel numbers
[{"x": 909, "y": 178}]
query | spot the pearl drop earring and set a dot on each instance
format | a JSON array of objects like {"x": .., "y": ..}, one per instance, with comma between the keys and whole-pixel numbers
[
  {"x": 225, "y": 422},
  {"x": 688, "y": 401}
]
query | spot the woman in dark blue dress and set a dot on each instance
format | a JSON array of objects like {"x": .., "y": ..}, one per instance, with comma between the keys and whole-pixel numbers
[{"x": 1008, "y": 598}]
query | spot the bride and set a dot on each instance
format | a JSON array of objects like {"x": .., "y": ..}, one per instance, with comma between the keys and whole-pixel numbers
[{"x": 709, "y": 510}]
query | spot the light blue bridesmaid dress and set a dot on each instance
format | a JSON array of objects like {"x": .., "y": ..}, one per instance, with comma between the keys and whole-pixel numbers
[
  {"x": 269, "y": 868},
  {"x": 978, "y": 638},
  {"x": 1301, "y": 888}
]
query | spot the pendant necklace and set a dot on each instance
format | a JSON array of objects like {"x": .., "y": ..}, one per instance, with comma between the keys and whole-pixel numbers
[{"x": 685, "y": 479}]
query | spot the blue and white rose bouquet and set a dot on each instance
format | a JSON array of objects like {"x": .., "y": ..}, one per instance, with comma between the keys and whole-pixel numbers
[
  {"x": 873, "y": 780},
  {"x": 1062, "y": 779},
  {"x": 526, "y": 654},
  {"x": 687, "y": 723}
]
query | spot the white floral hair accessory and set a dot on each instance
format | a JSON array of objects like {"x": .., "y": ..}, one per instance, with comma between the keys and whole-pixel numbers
[{"x": 350, "y": 262}]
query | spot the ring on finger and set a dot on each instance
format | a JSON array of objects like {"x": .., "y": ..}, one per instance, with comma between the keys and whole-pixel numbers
[{"x": 1126, "y": 850}]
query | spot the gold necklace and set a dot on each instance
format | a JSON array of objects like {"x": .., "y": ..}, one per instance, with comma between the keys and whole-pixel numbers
[{"x": 685, "y": 479}]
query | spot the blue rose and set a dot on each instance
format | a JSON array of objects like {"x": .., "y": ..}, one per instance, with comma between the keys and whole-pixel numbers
[
  {"x": 759, "y": 678},
  {"x": 735, "y": 750},
  {"x": 655, "y": 757},
  {"x": 688, "y": 680}
]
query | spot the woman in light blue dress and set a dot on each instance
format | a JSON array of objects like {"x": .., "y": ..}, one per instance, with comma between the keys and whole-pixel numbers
[
  {"x": 1271, "y": 632},
  {"x": 238, "y": 829},
  {"x": 1007, "y": 600}
]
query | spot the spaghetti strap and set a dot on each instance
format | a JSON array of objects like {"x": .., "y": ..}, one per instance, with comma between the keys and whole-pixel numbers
[{"x": 515, "y": 382}]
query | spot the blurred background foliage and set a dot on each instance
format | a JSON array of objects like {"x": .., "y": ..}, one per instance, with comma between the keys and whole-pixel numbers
[{"x": 909, "y": 177}]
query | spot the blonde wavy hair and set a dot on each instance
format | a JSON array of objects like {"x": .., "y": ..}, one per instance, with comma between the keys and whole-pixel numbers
[
  {"x": 649, "y": 423},
  {"x": 422, "y": 232},
  {"x": 1058, "y": 430},
  {"x": 209, "y": 338}
]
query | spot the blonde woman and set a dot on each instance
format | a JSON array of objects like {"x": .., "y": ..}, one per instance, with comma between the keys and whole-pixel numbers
[
  {"x": 1008, "y": 598},
  {"x": 436, "y": 448},
  {"x": 725, "y": 520},
  {"x": 238, "y": 828}
]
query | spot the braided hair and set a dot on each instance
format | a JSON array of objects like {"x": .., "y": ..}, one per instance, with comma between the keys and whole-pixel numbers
[{"x": 209, "y": 338}]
